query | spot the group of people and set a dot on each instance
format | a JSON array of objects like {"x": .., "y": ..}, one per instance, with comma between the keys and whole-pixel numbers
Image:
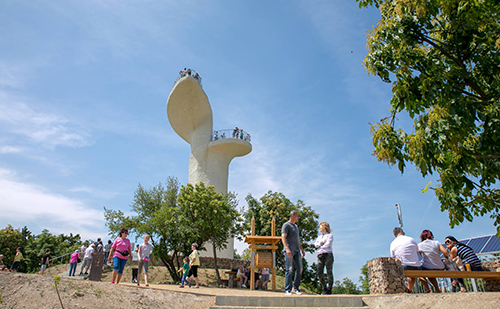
[
  {"x": 261, "y": 276},
  {"x": 237, "y": 133},
  {"x": 456, "y": 256},
  {"x": 294, "y": 254},
  {"x": 121, "y": 252},
  {"x": 190, "y": 267},
  {"x": 189, "y": 72}
]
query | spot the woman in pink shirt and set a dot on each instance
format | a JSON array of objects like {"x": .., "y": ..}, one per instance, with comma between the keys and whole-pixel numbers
[
  {"x": 120, "y": 252},
  {"x": 72, "y": 262}
]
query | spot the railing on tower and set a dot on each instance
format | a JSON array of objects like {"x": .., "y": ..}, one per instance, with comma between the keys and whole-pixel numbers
[
  {"x": 231, "y": 133},
  {"x": 190, "y": 72}
]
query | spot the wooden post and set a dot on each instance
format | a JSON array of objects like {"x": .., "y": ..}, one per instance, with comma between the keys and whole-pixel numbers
[
  {"x": 253, "y": 226},
  {"x": 252, "y": 262},
  {"x": 273, "y": 226},
  {"x": 252, "y": 271}
]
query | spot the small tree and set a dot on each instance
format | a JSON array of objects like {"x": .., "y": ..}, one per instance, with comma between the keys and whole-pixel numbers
[
  {"x": 365, "y": 282},
  {"x": 157, "y": 214},
  {"x": 345, "y": 287},
  {"x": 212, "y": 214},
  {"x": 278, "y": 205}
]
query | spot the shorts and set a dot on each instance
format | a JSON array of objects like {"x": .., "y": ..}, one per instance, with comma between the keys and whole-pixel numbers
[
  {"x": 193, "y": 271},
  {"x": 144, "y": 265},
  {"x": 119, "y": 265},
  {"x": 240, "y": 275},
  {"x": 265, "y": 277},
  {"x": 15, "y": 265},
  {"x": 44, "y": 267}
]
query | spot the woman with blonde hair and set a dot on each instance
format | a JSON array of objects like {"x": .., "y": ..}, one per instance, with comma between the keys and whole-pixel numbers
[{"x": 324, "y": 244}]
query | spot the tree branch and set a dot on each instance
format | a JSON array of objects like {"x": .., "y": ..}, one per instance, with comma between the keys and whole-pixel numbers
[{"x": 428, "y": 40}]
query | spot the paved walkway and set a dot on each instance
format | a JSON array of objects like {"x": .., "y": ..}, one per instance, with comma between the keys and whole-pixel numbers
[{"x": 212, "y": 291}]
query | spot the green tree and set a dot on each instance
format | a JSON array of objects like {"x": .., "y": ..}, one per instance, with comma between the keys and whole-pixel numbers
[
  {"x": 278, "y": 205},
  {"x": 442, "y": 58},
  {"x": 365, "y": 282},
  {"x": 310, "y": 277},
  {"x": 34, "y": 246},
  {"x": 345, "y": 287},
  {"x": 246, "y": 254},
  {"x": 214, "y": 216},
  {"x": 156, "y": 213},
  {"x": 57, "y": 244},
  {"x": 10, "y": 239}
]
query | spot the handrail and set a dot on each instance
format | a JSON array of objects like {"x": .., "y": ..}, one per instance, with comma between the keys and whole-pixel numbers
[
  {"x": 190, "y": 72},
  {"x": 60, "y": 257},
  {"x": 230, "y": 133}
]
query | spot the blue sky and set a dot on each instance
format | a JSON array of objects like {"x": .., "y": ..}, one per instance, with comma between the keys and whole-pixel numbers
[{"x": 83, "y": 91}]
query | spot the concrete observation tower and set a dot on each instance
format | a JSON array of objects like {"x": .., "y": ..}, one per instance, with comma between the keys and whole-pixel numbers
[{"x": 190, "y": 115}]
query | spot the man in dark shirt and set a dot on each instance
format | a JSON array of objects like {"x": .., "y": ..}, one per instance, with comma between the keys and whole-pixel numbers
[
  {"x": 45, "y": 261},
  {"x": 294, "y": 253}
]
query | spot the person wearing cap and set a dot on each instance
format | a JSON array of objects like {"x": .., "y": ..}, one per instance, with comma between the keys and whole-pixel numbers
[{"x": 87, "y": 259}]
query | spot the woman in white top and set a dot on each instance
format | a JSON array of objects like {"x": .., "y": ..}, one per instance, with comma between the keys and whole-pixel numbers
[
  {"x": 324, "y": 243},
  {"x": 431, "y": 250}
]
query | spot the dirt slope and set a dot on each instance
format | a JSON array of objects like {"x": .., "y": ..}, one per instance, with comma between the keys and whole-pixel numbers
[{"x": 35, "y": 291}]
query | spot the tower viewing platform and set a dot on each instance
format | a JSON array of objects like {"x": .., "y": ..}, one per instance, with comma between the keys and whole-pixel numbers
[{"x": 190, "y": 115}]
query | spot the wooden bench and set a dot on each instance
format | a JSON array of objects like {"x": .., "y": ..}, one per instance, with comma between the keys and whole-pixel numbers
[
  {"x": 486, "y": 275},
  {"x": 230, "y": 281}
]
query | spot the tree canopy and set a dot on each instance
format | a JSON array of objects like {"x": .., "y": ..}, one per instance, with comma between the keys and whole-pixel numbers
[
  {"x": 156, "y": 213},
  {"x": 442, "y": 58},
  {"x": 176, "y": 216},
  {"x": 213, "y": 216},
  {"x": 34, "y": 246},
  {"x": 278, "y": 205}
]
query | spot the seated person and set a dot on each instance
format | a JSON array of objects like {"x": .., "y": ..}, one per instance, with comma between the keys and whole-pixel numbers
[
  {"x": 431, "y": 250},
  {"x": 405, "y": 248},
  {"x": 265, "y": 277},
  {"x": 464, "y": 253},
  {"x": 241, "y": 275},
  {"x": 257, "y": 278},
  {"x": 2, "y": 265}
]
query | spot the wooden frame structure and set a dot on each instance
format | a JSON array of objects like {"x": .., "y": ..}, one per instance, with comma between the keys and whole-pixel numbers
[{"x": 263, "y": 259}]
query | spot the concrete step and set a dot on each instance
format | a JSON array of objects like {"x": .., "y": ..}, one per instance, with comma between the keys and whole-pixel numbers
[
  {"x": 235, "y": 307},
  {"x": 303, "y": 301}
]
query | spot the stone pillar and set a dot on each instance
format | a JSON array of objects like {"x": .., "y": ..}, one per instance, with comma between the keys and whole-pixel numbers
[
  {"x": 386, "y": 276},
  {"x": 492, "y": 285}
]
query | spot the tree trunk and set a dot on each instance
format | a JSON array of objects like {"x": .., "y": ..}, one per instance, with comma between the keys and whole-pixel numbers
[
  {"x": 169, "y": 263},
  {"x": 219, "y": 281}
]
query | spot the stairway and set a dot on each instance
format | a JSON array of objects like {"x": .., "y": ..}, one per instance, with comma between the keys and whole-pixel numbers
[{"x": 282, "y": 301}]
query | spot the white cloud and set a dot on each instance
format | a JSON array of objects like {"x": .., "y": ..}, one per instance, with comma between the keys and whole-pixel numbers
[
  {"x": 94, "y": 192},
  {"x": 28, "y": 204},
  {"x": 45, "y": 129},
  {"x": 10, "y": 149}
]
